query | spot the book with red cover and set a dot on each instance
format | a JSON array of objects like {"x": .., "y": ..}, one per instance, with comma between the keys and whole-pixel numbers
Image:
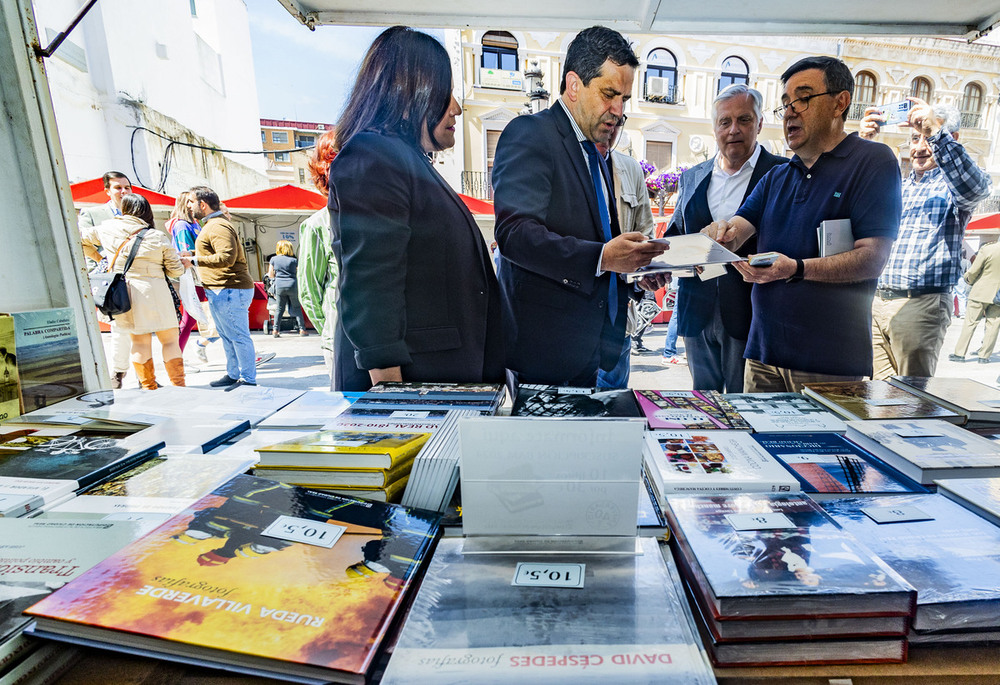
[{"x": 242, "y": 579}]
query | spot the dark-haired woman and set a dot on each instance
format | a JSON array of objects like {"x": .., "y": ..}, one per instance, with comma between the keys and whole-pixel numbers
[
  {"x": 152, "y": 305},
  {"x": 418, "y": 297}
]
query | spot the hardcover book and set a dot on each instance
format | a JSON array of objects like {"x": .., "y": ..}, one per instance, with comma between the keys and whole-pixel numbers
[
  {"x": 926, "y": 450},
  {"x": 48, "y": 362},
  {"x": 712, "y": 462},
  {"x": 977, "y": 401},
  {"x": 311, "y": 411},
  {"x": 865, "y": 400},
  {"x": 552, "y": 400},
  {"x": 20, "y": 496},
  {"x": 781, "y": 556},
  {"x": 978, "y": 495},
  {"x": 469, "y": 623},
  {"x": 329, "y": 478},
  {"x": 260, "y": 576},
  {"x": 830, "y": 465},
  {"x": 83, "y": 456},
  {"x": 344, "y": 449},
  {"x": 950, "y": 555},
  {"x": 784, "y": 412},
  {"x": 390, "y": 493},
  {"x": 187, "y": 476},
  {"x": 10, "y": 389},
  {"x": 482, "y": 397},
  {"x": 680, "y": 410}
]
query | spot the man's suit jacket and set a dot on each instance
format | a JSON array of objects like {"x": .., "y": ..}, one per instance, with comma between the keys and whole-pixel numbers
[
  {"x": 549, "y": 233},
  {"x": 634, "y": 211},
  {"x": 696, "y": 298},
  {"x": 95, "y": 216},
  {"x": 416, "y": 285},
  {"x": 984, "y": 276}
]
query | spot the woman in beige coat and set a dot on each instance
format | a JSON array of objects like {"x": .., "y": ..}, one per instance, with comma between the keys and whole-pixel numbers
[{"x": 152, "y": 305}]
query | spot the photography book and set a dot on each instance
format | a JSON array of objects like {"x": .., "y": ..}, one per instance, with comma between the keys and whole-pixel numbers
[
  {"x": 977, "y": 401},
  {"x": 470, "y": 622},
  {"x": 780, "y": 556},
  {"x": 834, "y": 237},
  {"x": 344, "y": 449},
  {"x": 928, "y": 449},
  {"x": 784, "y": 412},
  {"x": 950, "y": 555},
  {"x": 687, "y": 251},
  {"x": 680, "y": 410},
  {"x": 866, "y": 400},
  {"x": 554, "y": 400},
  {"x": 829, "y": 465},
  {"x": 258, "y": 576},
  {"x": 712, "y": 462}
]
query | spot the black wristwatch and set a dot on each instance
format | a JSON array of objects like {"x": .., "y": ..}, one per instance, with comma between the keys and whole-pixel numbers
[{"x": 800, "y": 268}]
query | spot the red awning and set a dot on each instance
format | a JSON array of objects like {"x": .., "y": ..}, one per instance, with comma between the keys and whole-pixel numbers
[
  {"x": 477, "y": 206},
  {"x": 990, "y": 222},
  {"x": 92, "y": 191},
  {"x": 283, "y": 197}
]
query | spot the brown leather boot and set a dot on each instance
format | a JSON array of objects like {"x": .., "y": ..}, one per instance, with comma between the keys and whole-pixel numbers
[
  {"x": 146, "y": 374},
  {"x": 175, "y": 370}
]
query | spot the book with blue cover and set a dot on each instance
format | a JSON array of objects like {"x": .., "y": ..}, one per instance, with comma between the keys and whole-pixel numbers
[
  {"x": 950, "y": 555},
  {"x": 979, "y": 495},
  {"x": 784, "y": 412},
  {"x": 764, "y": 555},
  {"x": 829, "y": 465}
]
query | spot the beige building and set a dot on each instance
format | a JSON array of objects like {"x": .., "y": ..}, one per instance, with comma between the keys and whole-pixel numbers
[
  {"x": 669, "y": 115},
  {"x": 287, "y": 146}
]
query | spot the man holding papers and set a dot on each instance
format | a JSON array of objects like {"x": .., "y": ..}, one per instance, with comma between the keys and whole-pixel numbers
[
  {"x": 714, "y": 313},
  {"x": 812, "y": 315}
]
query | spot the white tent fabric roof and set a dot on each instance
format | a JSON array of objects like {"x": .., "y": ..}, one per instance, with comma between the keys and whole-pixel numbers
[{"x": 969, "y": 19}]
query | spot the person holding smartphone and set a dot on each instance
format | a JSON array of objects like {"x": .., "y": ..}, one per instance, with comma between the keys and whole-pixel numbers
[{"x": 913, "y": 303}]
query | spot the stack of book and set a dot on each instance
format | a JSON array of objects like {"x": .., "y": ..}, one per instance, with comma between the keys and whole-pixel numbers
[
  {"x": 554, "y": 400},
  {"x": 257, "y": 577},
  {"x": 711, "y": 462},
  {"x": 688, "y": 410},
  {"x": 866, "y": 400},
  {"x": 978, "y": 402},
  {"x": 775, "y": 580},
  {"x": 784, "y": 412},
  {"x": 485, "y": 398},
  {"x": 928, "y": 449},
  {"x": 486, "y": 618},
  {"x": 829, "y": 465},
  {"x": 950, "y": 555},
  {"x": 370, "y": 464}
]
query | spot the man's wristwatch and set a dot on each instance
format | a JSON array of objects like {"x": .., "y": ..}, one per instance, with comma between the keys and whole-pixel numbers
[{"x": 800, "y": 268}]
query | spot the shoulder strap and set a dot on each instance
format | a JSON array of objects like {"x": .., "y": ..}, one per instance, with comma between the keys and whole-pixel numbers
[{"x": 132, "y": 253}]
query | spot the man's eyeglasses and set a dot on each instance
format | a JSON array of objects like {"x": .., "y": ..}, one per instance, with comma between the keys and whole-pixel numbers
[{"x": 799, "y": 105}]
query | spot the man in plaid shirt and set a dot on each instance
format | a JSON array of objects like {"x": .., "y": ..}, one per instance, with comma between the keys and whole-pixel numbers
[{"x": 913, "y": 302}]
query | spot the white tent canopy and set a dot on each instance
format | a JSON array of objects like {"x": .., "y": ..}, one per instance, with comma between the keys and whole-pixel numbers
[{"x": 969, "y": 19}]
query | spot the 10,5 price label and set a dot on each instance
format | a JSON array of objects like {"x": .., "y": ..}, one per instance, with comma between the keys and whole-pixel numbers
[
  {"x": 534, "y": 574},
  {"x": 310, "y": 532}
]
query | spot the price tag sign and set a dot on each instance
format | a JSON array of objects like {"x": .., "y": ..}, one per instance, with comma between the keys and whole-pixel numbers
[
  {"x": 765, "y": 521},
  {"x": 783, "y": 411},
  {"x": 896, "y": 514},
  {"x": 310, "y": 532},
  {"x": 535, "y": 574},
  {"x": 566, "y": 390},
  {"x": 886, "y": 402},
  {"x": 915, "y": 430},
  {"x": 409, "y": 414},
  {"x": 680, "y": 415}
]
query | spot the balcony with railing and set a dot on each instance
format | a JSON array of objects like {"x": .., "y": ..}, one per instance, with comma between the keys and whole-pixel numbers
[
  {"x": 857, "y": 111},
  {"x": 660, "y": 90},
  {"x": 972, "y": 120},
  {"x": 478, "y": 184}
]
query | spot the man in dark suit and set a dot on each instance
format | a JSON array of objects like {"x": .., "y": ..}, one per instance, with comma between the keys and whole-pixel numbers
[
  {"x": 713, "y": 314},
  {"x": 564, "y": 305}
]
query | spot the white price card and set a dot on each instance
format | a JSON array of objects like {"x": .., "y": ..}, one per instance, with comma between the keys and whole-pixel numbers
[
  {"x": 536, "y": 574},
  {"x": 886, "y": 402},
  {"x": 307, "y": 531},
  {"x": 682, "y": 415},
  {"x": 915, "y": 430},
  {"x": 567, "y": 390},
  {"x": 409, "y": 414},
  {"x": 782, "y": 411},
  {"x": 896, "y": 514},
  {"x": 764, "y": 521}
]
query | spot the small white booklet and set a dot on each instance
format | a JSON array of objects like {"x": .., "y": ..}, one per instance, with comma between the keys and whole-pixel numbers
[{"x": 687, "y": 251}]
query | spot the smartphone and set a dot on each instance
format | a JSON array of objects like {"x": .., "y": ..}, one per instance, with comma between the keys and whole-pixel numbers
[
  {"x": 896, "y": 112},
  {"x": 763, "y": 259}
]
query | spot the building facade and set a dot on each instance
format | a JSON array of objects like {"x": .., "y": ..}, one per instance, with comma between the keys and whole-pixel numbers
[
  {"x": 159, "y": 91},
  {"x": 287, "y": 147},
  {"x": 669, "y": 116}
]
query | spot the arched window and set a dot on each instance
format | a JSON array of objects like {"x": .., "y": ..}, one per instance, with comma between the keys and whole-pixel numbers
[
  {"x": 661, "y": 76},
  {"x": 734, "y": 70},
  {"x": 499, "y": 51},
  {"x": 921, "y": 88},
  {"x": 864, "y": 94},
  {"x": 972, "y": 105}
]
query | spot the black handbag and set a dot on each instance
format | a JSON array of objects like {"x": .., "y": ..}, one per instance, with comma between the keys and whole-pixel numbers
[{"x": 109, "y": 289}]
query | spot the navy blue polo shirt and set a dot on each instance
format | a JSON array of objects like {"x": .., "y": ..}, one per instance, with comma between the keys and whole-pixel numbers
[{"x": 810, "y": 326}]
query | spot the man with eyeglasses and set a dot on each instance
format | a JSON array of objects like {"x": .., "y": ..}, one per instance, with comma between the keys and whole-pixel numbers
[
  {"x": 913, "y": 303},
  {"x": 812, "y": 315}
]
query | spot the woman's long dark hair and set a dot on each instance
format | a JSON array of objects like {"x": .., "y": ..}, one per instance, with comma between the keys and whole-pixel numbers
[
  {"x": 137, "y": 206},
  {"x": 403, "y": 87}
]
